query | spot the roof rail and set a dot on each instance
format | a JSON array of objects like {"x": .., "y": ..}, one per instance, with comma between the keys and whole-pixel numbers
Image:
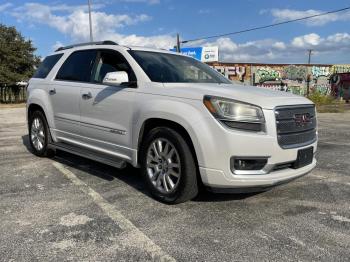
[{"x": 106, "y": 42}]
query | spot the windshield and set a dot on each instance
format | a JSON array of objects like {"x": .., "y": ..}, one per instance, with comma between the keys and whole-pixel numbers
[{"x": 172, "y": 68}]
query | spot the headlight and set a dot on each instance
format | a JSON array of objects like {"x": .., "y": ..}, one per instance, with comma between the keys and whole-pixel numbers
[{"x": 236, "y": 114}]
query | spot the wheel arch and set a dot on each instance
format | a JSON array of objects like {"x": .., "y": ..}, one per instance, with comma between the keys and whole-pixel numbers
[
  {"x": 39, "y": 99},
  {"x": 151, "y": 123},
  {"x": 32, "y": 108}
]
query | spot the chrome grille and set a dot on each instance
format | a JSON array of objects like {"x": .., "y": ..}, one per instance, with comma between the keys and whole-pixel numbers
[{"x": 296, "y": 125}]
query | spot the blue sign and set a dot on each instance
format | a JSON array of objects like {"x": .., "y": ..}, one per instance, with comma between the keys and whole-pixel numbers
[{"x": 195, "y": 52}]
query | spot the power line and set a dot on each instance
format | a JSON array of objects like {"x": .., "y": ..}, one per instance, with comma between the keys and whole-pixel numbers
[{"x": 266, "y": 26}]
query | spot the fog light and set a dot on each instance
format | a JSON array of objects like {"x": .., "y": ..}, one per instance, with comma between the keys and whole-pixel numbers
[{"x": 248, "y": 163}]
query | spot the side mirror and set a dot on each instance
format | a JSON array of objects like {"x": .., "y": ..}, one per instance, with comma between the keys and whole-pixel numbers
[{"x": 115, "y": 78}]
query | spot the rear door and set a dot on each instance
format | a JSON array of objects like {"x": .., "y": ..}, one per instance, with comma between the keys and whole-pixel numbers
[
  {"x": 107, "y": 111},
  {"x": 64, "y": 93}
]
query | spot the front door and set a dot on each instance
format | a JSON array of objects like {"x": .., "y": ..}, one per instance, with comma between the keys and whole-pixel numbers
[
  {"x": 64, "y": 93},
  {"x": 106, "y": 111}
]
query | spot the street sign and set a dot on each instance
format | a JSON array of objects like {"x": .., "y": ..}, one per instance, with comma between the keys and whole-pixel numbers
[{"x": 204, "y": 54}]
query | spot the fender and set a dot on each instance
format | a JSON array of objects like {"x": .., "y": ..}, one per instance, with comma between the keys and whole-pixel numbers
[
  {"x": 189, "y": 115},
  {"x": 40, "y": 97}
]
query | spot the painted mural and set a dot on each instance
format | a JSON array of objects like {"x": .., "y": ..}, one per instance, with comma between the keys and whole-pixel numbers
[
  {"x": 235, "y": 72},
  {"x": 285, "y": 77},
  {"x": 288, "y": 78},
  {"x": 340, "y": 69},
  {"x": 295, "y": 73},
  {"x": 263, "y": 74},
  {"x": 232, "y": 71}
]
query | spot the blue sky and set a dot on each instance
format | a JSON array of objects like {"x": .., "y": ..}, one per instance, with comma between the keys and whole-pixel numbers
[{"x": 155, "y": 23}]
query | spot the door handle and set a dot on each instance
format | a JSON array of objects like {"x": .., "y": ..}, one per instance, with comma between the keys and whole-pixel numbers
[
  {"x": 87, "y": 95},
  {"x": 52, "y": 91}
]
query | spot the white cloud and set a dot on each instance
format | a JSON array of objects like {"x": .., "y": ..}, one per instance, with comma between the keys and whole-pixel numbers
[
  {"x": 74, "y": 23},
  {"x": 281, "y": 15},
  {"x": 57, "y": 45},
  {"x": 5, "y": 6},
  {"x": 279, "y": 45},
  {"x": 70, "y": 8},
  {"x": 226, "y": 45},
  {"x": 307, "y": 40},
  {"x": 271, "y": 50}
]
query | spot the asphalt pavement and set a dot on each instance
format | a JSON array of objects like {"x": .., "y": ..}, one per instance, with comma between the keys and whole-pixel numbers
[{"x": 73, "y": 209}]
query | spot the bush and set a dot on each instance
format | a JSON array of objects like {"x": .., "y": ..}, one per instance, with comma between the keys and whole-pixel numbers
[
  {"x": 321, "y": 99},
  {"x": 326, "y": 103}
]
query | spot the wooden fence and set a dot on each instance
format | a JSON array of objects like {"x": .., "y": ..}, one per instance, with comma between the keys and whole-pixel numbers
[{"x": 13, "y": 94}]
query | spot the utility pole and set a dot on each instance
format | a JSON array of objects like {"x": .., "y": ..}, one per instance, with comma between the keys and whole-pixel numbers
[
  {"x": 310, "y": 53},
  {"x": 178, "y": 47},
  {"x": 308, "y": 77},
  {"x": 90, "y": 22}
]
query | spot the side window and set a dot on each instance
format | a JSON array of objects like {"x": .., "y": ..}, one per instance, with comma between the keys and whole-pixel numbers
[
  {"x": 111, "y": 61},
  {"x": 78, "y": 66},
  {"x": 46, "y": 66}
]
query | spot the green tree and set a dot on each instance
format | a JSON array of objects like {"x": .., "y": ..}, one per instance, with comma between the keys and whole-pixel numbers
[
  {"x": 17, "y": 58},
  {"x": 17, "y": 63}
]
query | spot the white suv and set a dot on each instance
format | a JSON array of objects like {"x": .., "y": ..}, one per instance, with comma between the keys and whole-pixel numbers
[{"x": 180, "y": 121}]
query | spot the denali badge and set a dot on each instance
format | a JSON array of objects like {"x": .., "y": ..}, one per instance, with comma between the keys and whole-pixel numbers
[
  {"x": 302, "y": 119},
  {"x": 117, "y": 131}
]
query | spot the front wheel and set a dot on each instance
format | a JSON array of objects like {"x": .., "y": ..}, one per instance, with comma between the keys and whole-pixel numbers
[{"x": 168, "y": 166}]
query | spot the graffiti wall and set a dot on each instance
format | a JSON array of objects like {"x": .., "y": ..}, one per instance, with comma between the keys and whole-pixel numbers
[
  {"x": 340, "y": 69},
  {"x": 267, "y": 73},
  {"x": 288, "y": 78},
  {"x": 283, "y": 77},
  {"x": 235, "y": 72}
]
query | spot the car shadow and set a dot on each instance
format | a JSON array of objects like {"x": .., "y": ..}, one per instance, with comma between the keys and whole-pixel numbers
[
  {"x": 208, "y": 196},
  {"x": 129, "y": 175},
  {"x": 26, "y": 143}
]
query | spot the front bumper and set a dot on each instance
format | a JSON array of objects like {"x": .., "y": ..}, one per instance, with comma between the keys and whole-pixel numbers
[
  {"x": 217, "y": 179},
  {"x": 216, "y": 171}
]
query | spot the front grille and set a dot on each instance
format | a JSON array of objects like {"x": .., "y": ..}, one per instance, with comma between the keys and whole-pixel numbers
[{"x": 296, "y": 125}]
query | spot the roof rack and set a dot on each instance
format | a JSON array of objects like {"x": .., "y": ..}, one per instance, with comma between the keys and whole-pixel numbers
[{"x": 106, "y": 42}]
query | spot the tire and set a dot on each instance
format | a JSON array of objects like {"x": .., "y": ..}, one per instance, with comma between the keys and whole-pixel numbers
[
  {"x": 39, "y": 135},
  {"x": 180, "y": 160}
]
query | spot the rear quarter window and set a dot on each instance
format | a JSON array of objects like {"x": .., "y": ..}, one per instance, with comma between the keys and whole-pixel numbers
[{"x": 46, "y": 66}]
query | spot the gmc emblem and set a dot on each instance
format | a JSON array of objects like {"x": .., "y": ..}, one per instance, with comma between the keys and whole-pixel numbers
[{"x": 302, "y": 119}]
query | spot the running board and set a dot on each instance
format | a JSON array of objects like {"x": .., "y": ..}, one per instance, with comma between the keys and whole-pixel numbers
[{"x": 90, "y": 154}]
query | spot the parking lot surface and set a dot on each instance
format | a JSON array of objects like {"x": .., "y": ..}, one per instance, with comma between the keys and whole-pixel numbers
[{"x": 71, "y": 208}]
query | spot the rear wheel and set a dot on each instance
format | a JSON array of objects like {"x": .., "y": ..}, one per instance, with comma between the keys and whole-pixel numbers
[
  {"x": 39, "y": 135},
  {"x": 168, "y": 166}
]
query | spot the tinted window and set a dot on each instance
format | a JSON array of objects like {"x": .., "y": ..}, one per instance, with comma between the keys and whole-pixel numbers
[
  {"x": 78, "y": 66},
  {"x": 111, "y": 61},
  {"x": 46, "y": 66},
  {"x": 164, "y": 67}
]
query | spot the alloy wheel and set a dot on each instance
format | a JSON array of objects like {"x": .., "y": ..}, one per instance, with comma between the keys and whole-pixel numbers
[
  {"x": 37, "y": 134},
  {"x": 163, "y": 165}
]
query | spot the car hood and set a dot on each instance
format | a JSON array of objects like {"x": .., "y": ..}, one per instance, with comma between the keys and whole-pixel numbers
[{"x": 262, "y": 97}]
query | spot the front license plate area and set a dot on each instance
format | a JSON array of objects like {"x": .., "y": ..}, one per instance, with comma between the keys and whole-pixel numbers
[{"x": 305, "y": 157}]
